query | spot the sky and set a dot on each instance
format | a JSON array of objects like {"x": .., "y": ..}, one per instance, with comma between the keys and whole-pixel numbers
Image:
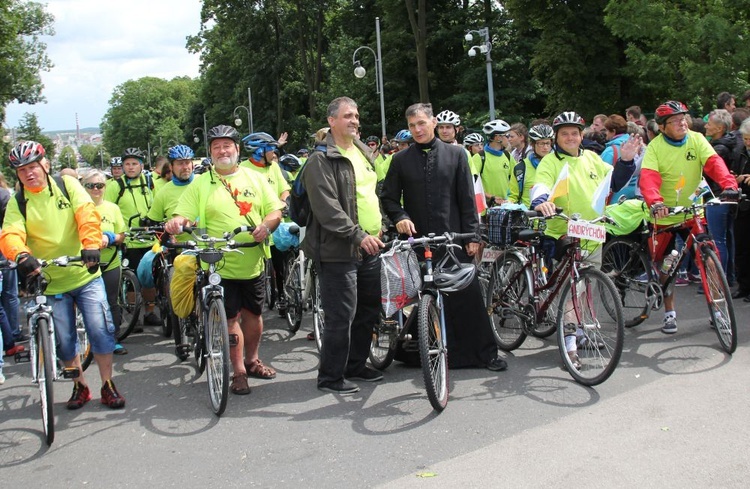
[{"x": 100, "y": 44}]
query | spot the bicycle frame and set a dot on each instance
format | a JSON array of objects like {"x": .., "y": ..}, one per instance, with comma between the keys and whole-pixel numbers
[{"x": 40, "y": 309}]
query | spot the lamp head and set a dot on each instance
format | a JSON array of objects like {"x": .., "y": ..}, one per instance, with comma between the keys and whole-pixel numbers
[
  {"x": 469, "y": 37},
  {"x": 472, "y": 52},
  {"x": 359, "y": 71},
  {"x": 238, "y": 122},
  {"x": 196, "y": 139}
]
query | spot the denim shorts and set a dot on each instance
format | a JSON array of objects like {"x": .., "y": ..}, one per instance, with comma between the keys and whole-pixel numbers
[{"x": 91, "y": 300}]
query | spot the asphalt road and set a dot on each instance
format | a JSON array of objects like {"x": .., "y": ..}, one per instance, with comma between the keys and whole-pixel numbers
[{"x": 674, "y": 414}]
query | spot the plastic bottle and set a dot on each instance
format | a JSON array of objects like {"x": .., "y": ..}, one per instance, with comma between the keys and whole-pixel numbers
[{"x": 669, "y": 262}]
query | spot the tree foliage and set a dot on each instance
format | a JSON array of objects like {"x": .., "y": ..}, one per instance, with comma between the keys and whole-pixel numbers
[
  {"x": 28, "y": 128},
  {"x": 67, "y": 158},
  {"x": 143, "y": 111},
  {"x": 22, "y": 54},
  {"x": 95, "y": 156}
]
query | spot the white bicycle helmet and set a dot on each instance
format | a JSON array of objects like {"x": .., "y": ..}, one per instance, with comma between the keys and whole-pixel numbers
[
  {"x": 498, "y": 126},
  {"x": 541, "y": 131},
  {"x": 450, "y": 275},
  {"x": 473, "y": 138},
  {"x": 569, "y": 118},
  {"x": 448, "y": 117}
]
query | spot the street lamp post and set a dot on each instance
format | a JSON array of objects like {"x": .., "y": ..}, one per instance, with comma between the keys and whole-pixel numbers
[
  {"x": 197, "y": 139},
  {"x": 485, "y": 49},
  {"x": 359, "y": 70},
  {"x": 238, "y": 121}
]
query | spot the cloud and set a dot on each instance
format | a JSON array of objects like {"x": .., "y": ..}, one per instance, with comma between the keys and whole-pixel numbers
[{"x": 99, "y": 45}]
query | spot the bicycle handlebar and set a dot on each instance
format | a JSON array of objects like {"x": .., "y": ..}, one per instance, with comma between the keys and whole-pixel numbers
[{"x": 411, "y": 242}]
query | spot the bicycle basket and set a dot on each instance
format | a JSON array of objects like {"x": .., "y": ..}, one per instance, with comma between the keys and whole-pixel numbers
[
  {"x": 503, "y": 225},
  {"x": 181, "y": 287},
  {"x": 400, "y": 280}
]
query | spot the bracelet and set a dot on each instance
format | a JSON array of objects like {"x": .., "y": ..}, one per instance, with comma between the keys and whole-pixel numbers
[{"x": 268, "y": 230}]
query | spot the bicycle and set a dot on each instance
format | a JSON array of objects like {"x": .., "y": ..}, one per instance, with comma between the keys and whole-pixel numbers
[
  {"x": 42, "y": 352},
  {"x": 302, "y": 291},
  {"x": 631, "y": 263},
  {"x": 161, "y": 270},
  {"x": 431, "y": 332},
  {"x": 525, "y": 294},
  {"x": 206, "y": 327}
]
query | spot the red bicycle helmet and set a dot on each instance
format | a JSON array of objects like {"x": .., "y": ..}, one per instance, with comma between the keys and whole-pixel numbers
[
  {"x": 668, "y": 109},
  {"x": 26, "y": 153}
]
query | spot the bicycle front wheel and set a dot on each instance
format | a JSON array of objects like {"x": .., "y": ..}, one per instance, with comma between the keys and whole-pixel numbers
[
  {"x": 270, "y": 285},
  {"x": 509, "y": 286},
  {"x": 217, "y": 355},
  {"x": 591, "y": 315},
  {"x": 293, "y": 293},
  {"x": 45, "y": 377},
  {"x": 163, "y": 300},
  {"x": 130, "y": 301},
  {"x": 628, "y": 267},
  {"x": 384, "y": 338},
  {"x": 719, "y": 299},
  {"x": 318, "y": 314},
  {"x": 433, "y": 353},
  {"x": 84, "y": 347}
]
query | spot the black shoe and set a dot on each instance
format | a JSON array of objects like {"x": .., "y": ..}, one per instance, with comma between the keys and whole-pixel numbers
[
  {"x": 367, "y": 374},
  {"x": 21, "y": 338},
  {"x": 497, "y": 364},
  {"x": 737, "y": 294},
  {"x": 338, "y": 387},
  {"x": 151, "y": 319}
]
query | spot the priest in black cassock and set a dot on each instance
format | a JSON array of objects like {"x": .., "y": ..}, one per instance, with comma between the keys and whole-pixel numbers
[{"x": 434, "y": 182}]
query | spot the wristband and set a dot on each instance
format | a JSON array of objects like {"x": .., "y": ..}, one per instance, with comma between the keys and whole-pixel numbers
[{"x": 110, "y": 237}]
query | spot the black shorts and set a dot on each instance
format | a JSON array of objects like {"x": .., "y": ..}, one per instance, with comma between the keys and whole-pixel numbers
[{"x": 244, "y": 294}]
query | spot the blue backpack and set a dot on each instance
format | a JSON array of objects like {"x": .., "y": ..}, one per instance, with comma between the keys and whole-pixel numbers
[{"x": 299, "y": 203}]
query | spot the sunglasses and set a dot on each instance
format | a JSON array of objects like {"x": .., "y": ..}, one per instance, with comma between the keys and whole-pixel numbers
[{"x": 92, "y": 186}]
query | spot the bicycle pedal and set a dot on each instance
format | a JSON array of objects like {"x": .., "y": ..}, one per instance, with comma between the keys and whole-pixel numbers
[
  {"x": 234, "y": 340},
  {"x": 184, "y": 349},
  {"x": 22, "y": 356},
  {"x": 506, "y": 313},
  {"x": 71, "y": 372}
]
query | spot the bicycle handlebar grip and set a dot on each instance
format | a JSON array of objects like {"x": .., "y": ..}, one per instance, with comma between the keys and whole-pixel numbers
[
  {"x": 465, "y": 236},
  {"x": 244, "y": 245},
  {"x": 187, "y": 229}
]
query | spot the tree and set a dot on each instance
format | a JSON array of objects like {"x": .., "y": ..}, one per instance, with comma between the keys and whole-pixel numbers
[
  {"x": 22, "y": 54},
  {"x": 143, "y": 111},
  {"x": 67, "y": 158},
  {"x": 28, "y": 128}
]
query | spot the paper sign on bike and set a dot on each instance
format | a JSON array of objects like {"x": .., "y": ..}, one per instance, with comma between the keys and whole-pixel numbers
[
  {"x": 587, "y": 230},
  {"x": 490, "y": 255}
]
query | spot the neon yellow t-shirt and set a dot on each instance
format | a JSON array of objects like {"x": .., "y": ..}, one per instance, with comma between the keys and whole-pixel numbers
[
  {"x": 111, "y": 221},
  {"x": 368, "y": 205},
  {"x": 381, "y": 168},
  {"x": 529, "y": 179},
  {"x": 135, "y": 201},
  {"x": 681, "y": 169},
  {"x": 496, "y": 174},
  {"x": 585, "y": 173},
  {"x": 159, "y": 183},
  {"x": 165, "y": 202},
  {"x": 222, "y": 214},
  {"x": 52, "y": 231}
]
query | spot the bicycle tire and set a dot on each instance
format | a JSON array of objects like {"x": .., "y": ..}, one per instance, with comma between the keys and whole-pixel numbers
[
  {"x": 599, "y": 328},
  {"x": 199, "y": 343},
  {"x": 509, "y": 300},
  {"x": 131, "y": 308},
  {"x": 171, "y": 321},
  {"x": 163, "y": 300},
  {"x": 719, "y": 300},
  {"x": 270, "y": 285},
  {"x": 548, "y": 325},
  {"x": 628, "y": 266},
  {"x": 180, "y": 334},
  {"x": 217, "y": 355},
  {"x": 384, "y": 342},
  {"x": 318, "y": 313},
  {"x": 45, "y": 377},
  {"x": 293, "y": 293},
  {"x": 433, "y": 354},
  {"x": 84, "y": 347}
]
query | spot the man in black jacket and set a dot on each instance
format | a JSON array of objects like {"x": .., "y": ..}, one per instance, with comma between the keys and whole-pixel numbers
[
  {"x": 343, "y": 239},
  {"x": 434, "y": 180}
]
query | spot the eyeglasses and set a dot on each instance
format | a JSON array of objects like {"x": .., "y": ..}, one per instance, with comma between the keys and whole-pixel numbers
[
  {"x": 677, "y": 122},
  {"x": 544, "y": 143},
  {"x": 92, "y": 186}
]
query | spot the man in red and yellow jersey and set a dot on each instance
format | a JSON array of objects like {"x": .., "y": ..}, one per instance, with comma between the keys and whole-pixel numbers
[{"x": 56, "y": 223}]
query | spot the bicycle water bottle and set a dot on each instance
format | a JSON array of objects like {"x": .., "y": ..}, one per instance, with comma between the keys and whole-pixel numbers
[{"x": 669, "y": 262}]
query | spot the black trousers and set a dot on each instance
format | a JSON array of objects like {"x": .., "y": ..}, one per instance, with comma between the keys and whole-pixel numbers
[{"x": 742, "y": 249}]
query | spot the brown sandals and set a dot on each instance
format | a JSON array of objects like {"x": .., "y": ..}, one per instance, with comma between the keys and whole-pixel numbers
[
  {"x": 260, "y": 371},
  {"x": 239, "y": 385}
]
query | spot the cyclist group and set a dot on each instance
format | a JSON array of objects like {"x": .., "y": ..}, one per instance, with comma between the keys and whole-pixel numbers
[{"x": 427, "y": 186}]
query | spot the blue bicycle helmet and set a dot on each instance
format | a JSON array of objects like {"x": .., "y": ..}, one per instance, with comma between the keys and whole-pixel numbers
[
  {"x": 404, "y": 136},
  {"x": 180, "y": 152},
  {"x": 258, "y": 143}
]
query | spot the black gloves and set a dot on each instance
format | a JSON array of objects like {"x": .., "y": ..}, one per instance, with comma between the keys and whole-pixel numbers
[
  {"x": 730, "y": 195},
  {"x": 27, "y": 265},
  {"x": 91, "y": 259}
]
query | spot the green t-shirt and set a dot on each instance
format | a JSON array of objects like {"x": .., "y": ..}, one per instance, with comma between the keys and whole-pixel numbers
[
  {"x": 368, "y": 205},
  {"x": 496, "y": 174},
  {"x": 680, "y": 167},
  {"x": 52, "y": 231},
  {"x": 382, "y": 166},
  {"x": 159, "y": 183},
  {"x": 222, "y": 214},
  {"x": 111, "y": 221},
  {"x": 135, "y": 201},
  {"x": 585, "y": 173},
  {"x": 165, "y": 202},
  {"x": 272, "y": 173}
]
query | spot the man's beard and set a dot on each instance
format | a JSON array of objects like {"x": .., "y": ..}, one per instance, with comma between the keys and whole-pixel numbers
[{"x": 226, "y": 165}]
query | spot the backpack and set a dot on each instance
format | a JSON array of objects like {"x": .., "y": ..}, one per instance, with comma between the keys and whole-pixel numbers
[
  {"x": 299, "y": 201},
  {"x": 4, "y": 199},
  {"x": 22, "y": 202},
  {"x": 507, "y": 155},
  {"x": 149, "y": 184}
]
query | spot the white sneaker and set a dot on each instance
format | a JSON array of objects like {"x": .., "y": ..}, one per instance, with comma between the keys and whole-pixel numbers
[
  {"x": 670, "y": 325},
  {"x": 2, "y": 378}
]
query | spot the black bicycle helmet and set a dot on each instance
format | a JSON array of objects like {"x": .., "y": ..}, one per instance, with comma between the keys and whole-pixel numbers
[
  {"x": 25, "y": 153},
  {"x": 133, "y": 153},
  {"x": 290, "y": 163},
  {"x": 223, "y": 131},
  {"x": 372, "y": 139}
]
